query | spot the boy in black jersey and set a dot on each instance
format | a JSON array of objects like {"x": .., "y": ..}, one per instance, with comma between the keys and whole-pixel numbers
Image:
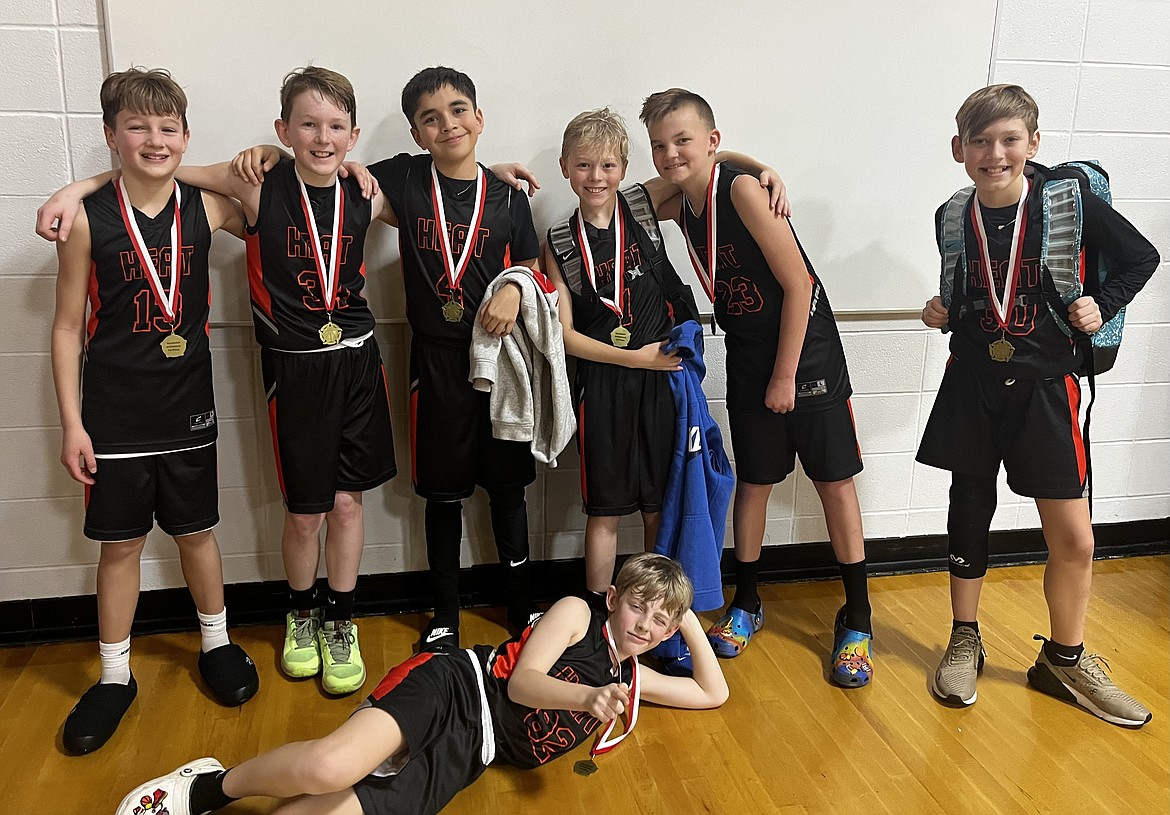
[
  {"x": 143, "y": 439},
  {"x": 1011, "y": 394},
  {"x": 787, "y": 383},
  {"x": 437, "y": 720},
  {"x": 323, "y": 375},
  {"x": 616, "y": 312}
]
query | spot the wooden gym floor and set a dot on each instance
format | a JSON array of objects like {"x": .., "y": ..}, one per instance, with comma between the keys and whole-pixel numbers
[{"x": 786, "y": 741}]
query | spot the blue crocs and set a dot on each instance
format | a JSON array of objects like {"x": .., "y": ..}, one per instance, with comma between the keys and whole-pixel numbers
[
  {"x": 674, "y": 655},
  {"x": 852, "y": 663},
  {"x": 734, "y": 630}
]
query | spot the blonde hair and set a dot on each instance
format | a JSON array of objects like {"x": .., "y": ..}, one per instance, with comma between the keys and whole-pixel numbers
[
  {"x": 601, "y": 130},
  {"x": 651, "y": 577},
  {"x": 993, "y": 103},
  {"x": 658, "y": 106},
  {"x": 328, "y": 84},
  {"x": 141, "y": 90}
]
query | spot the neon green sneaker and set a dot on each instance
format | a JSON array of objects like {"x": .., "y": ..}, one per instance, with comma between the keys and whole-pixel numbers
[
  {"x": 300, "y": 657},
  {"x": 342, "y": 669}
]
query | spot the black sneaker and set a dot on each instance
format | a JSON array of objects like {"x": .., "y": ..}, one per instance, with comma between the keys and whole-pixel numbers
[
  {"x": 96, "y": 716},
  {"x": 520, "y": 619},
  {"x": 230, "y": 674},
  {"x": 439, "y": 637}
]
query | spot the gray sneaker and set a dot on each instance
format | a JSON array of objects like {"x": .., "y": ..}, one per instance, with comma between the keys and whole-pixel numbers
[
  {"x": 1086, "y": 684},
  {"x": 954, "y": 680}
]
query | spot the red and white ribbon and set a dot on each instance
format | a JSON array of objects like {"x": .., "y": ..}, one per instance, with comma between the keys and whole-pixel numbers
[
  {"x": 1002, "y": 304},
  {"x": 604, "y": 743},
  {"x": 327, "y": 273},
  {"x": 619, "y": 258},
  {"x": 456, "y": 267},
  {"x": 706, "y": 278},
  {"x": 167, "y": 299}
]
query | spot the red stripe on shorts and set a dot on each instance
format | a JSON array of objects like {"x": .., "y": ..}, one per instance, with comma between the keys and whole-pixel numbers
[
  {"x": 1073, "y": 387},
  {"x": 398, "y": 673}
]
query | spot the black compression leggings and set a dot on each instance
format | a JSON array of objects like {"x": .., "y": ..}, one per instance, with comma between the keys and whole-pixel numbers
[{"x": 969, "y": 523}]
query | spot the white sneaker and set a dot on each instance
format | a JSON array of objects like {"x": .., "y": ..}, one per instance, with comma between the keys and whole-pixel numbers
[{"x": 168, "y": 793}]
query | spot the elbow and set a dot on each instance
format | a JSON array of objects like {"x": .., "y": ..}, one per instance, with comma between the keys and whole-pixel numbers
[{"x": 719, "y": 696}]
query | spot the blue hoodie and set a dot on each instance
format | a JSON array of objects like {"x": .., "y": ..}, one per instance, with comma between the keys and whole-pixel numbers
[{"x": 698, "y": 490}]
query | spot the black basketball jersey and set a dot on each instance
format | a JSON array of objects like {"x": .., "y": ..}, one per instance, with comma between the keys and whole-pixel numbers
[
  {"x": 645, "y": 313},
  {"x": 504, "y": 237},
  {"x": 748, "y": 303},
  {"x": 288, "y": 304},
  {"x": 134, "y": 398},
  {"x": 1042, "y": 350},
  {"x": 528, "y": 737}
]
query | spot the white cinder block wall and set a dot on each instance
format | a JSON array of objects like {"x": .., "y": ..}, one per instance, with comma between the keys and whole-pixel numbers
[{"x": 1100, "y": 70}]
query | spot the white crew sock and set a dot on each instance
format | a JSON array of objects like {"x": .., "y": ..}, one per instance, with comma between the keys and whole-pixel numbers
[
  {"x": 213, "y": 628},
  {"x": 115, "y": 662}
]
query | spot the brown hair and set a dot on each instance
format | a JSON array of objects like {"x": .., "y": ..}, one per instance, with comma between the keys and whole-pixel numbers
[
  {"x": 651, "y": 577},
  {"x": 602, "y": 130},
  {"x": 993, "y": 103},
  {"x": 142, "y": 91},
  {"x": 327, "y": 84},
  {"x": 658, "y": 105}
]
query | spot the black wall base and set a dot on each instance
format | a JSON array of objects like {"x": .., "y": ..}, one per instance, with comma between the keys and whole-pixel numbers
[{"x": 75, "y": 618}]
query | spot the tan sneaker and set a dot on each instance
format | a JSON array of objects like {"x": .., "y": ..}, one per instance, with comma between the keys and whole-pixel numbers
[
  {"x": 954, "y": 679},
  {"x": 1086, "y": 684}
]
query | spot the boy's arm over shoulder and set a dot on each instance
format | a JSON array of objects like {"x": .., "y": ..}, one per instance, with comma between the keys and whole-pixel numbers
[
  {"x": 74, "y": 258},
  {"x": 563, "y": 625},
  {"x": 219, "y": 178},
  {"x": 223, "y": 213},
  {"x": 525, "y": 246},
  {"x": 705, "y": 688},
  {"x": 55, "y": 216},
  {"x": 1134, "y": 258}
]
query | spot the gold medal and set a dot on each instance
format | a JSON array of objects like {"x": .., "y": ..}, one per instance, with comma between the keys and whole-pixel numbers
[
  {"x": 330, "y": 333},
  {"x": 620, "y": 337},
  {"x": 1001, "y": 350},
  {"x": 586, "y": 767},
  {"x": 452, "y": 311},
  {"x": 173, "y": 346}
]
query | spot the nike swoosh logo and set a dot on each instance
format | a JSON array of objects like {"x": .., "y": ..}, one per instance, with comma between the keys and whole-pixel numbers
[
  {"x": 437, "y": 633},
  {"x": 515, "y": 563}
]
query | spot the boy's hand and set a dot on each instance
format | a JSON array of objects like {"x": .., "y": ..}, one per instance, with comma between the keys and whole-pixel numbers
[
  {"x": 497, "y": 316},
  {"x": 777, "y": 194},
  {"x": 609, "y": 702},
  {"x": 367, "y": 183},
  {"x": 55, "y": 216},
  {"x": 1084, "y": 314},
  {"x": 513, "y": 173},
  {"x": 77, "y": 455},
  {"x": 653, "y": 358},
  {"x": 781, "y": 394},
  {"x": 934, "y": 313},
  {"x": 253, "y": 163}
]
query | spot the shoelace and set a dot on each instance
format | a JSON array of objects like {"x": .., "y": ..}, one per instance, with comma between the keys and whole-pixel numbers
[
  {"x": 339, "y": 642},
  {"x": 964, "y": 647},
  {"x": 303, "y": 631},
  {"x": 1095, "y": 665}
]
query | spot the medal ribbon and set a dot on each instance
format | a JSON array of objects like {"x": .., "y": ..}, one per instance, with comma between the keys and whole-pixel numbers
[
  {"x": 604, "y": 743},
  {"x": 708, "y": 278},
  {"x": 456, "y": 267},
  {"x": 329, "y": 275},
  {"x": 1002, "y": 306},
  {"x": 619, "y": 258},
  {"x": 166, "y": 299}
]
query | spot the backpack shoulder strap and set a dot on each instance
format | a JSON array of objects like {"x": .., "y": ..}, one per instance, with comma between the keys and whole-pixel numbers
[
  {"x": 1060, "y": 243},
  {"x": 952, "y": 246},
  {"x": 643, "y": 211},
  {"x": 567, "y": 254}
]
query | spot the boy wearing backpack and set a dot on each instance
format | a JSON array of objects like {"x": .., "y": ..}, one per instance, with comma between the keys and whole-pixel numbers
[{"x": 1011, "y": 392}]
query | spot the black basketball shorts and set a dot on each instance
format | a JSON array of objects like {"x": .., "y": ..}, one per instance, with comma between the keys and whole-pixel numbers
[
  {"x": 626, "y": 434},
  {"x": 451, "y": 444},
  {"x": 330, "y": 418},
  {"x": 179, "y": 490},
  {"x": 435, "y": 701},
  {"x": 1031, "y": 425},
  {"x": 766, "y": 444}
]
